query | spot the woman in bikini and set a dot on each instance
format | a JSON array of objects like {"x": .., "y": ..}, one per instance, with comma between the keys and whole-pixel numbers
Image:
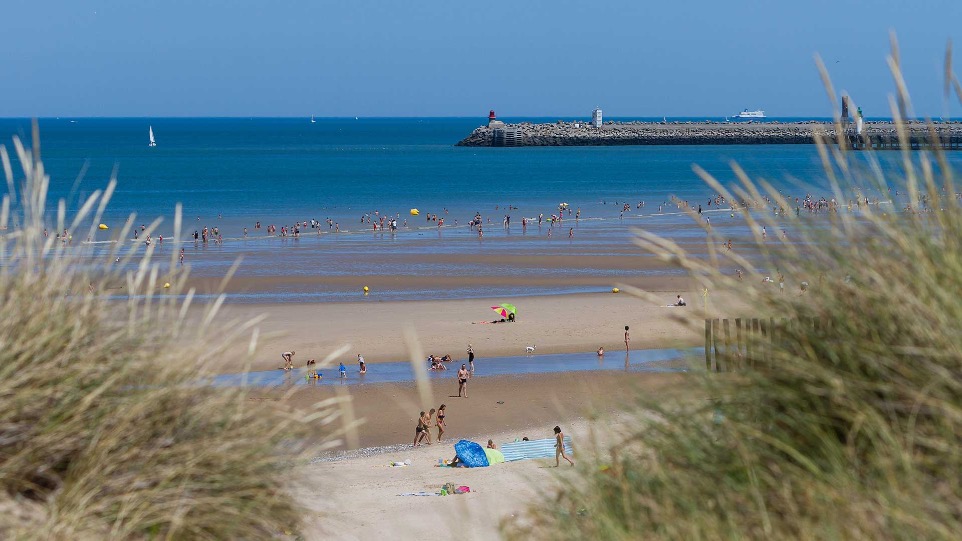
[
  {"x": 559, "y": 447},
  {"x": 440, "y": 422}
]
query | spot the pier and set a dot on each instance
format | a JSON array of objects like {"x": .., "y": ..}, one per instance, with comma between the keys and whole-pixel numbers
[{"x": 874, "y": 136}]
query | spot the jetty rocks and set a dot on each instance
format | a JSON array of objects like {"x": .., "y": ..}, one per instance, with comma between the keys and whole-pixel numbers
[{"x": 676, "y": 133}]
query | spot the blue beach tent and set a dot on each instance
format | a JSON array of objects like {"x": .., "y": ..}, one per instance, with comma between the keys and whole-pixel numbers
[{"x": 471, "y": 454}]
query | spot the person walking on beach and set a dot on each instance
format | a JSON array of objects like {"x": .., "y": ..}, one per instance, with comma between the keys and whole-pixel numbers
[
  {"x": 559, "y": 447},
  {"x": 427, "y": 426},
  {"x": 627, "y": 339},
  {"x": 440, "y": 421},
  {"x": 288, "y": 357},
  {"x": 463, "y": 381},
  {"x": 422, "y": 430},
  {"x": 419, "y": 429},
  {"x": 471, "y": 357},
  {"x": 360, "y": 361}
]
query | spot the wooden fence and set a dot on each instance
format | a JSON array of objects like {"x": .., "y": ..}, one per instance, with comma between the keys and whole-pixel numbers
[{"x": 732, "y": 344}]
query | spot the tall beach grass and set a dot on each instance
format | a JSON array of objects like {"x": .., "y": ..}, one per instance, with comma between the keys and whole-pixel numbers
[
  {"x": 852, "y": 429},
  {"x": 105, "y": 431}
]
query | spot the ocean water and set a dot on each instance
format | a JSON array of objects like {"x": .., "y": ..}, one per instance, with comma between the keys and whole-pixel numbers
[{"x": 231, "y": 172}]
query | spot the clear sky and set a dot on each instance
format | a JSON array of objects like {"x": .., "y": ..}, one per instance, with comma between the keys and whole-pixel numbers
[{"x": 456, "y": 58}]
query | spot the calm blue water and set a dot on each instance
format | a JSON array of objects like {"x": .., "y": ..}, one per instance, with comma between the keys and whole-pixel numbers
[
  {"x": 230, "y": 172},
  {"x": 643, "y": 360},
  {"x": 280, "y": 170}
]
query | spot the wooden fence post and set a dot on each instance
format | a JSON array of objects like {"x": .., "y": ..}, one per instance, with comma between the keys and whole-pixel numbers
[
  {"x": 728, "y": 348},
  {"x": 715, "y": 332},
  {"x": 738, "y": 342},
  {"x": 708, "y": 344}
]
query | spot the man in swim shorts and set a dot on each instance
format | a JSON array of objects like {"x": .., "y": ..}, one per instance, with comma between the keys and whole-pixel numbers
[{"x": 463, "y": 381}]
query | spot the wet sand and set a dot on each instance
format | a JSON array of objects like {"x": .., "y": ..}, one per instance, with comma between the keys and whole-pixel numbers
[
  {"x": 552, "y": 323},
  {"x": 388, "y": 412}
]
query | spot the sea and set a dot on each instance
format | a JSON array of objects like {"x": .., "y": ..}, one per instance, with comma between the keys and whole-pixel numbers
[{"x": 231, "y": 173}]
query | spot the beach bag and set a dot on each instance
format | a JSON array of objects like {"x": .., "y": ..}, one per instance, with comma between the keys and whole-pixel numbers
[{"x": 462, "y": 489}]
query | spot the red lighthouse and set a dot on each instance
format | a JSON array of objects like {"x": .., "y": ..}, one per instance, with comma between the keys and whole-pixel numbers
[{"x": 491, "y": 115}]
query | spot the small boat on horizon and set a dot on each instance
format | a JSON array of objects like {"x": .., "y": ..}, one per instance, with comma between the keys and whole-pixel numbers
[
  {"x": 750, "y": 114},
  {"x": 150, "y": 135},
  {"x": 312, "y": 120}
]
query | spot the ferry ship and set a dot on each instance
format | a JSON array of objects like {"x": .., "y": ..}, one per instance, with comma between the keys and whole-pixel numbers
[{"x": 750, "y": 114}]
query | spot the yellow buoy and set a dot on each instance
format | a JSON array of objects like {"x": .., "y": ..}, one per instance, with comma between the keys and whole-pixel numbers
[
  {"x": 615, "y": 290},
  {"x": 366, "y": 289},
  {"x": 415, "y": 212},
  {"x": 166, "y": 285},
  {"x": 103, "y": 226}
]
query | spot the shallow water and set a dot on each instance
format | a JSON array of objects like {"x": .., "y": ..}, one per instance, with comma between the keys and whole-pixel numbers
[
  {"x": 643, "y": 360},
  {"x": 229, "y": 173}
]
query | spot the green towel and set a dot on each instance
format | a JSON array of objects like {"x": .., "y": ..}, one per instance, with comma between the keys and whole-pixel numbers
[{"x": 494, "y": 456}]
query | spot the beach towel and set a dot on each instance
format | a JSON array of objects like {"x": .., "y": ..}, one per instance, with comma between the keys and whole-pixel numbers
[
  {"x": 471, "y": 454},
  {"x": 494, "y": 456},
  {"x": 521, "y": 450}
]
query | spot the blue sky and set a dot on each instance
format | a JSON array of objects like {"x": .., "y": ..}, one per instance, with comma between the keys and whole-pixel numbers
[{"x": 451, "y": 58}]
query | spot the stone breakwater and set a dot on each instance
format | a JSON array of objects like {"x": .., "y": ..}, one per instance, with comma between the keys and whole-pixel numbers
[{"x": 670, "y": 133}]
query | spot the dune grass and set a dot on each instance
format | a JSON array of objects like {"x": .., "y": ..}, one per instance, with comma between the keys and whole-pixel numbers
[
  {"x": 852, "y": 428},
  {"x": 105, "y": 431}
]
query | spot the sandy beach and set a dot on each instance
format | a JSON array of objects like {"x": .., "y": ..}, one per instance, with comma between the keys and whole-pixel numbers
[
  {"x": 357, "y": 495},
  {"x": 553, "y": 323}
]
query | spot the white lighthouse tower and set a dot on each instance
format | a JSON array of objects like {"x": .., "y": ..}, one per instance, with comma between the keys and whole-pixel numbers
[{"x": 596, "y": 117}]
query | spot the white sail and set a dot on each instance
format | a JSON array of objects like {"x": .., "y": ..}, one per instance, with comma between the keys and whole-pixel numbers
[
  {"x": 150, "y": 132},
  {"x": 312, "y": 119}
]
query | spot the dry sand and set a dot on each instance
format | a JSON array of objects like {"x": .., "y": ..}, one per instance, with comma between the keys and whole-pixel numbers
[{"x": 359, "y": 497}]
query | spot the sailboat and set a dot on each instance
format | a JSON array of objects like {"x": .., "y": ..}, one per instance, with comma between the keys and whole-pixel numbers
[
  {"x": 150, "y": 132},
  {"x": 312, "y": 119}
]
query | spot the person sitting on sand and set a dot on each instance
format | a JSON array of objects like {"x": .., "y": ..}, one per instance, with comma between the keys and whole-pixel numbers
[
  {"x": 455, "y": 463},
  {"x": 680, "y": 301},
  {"x": 492, "y": 445},
  {"x": 311, "y": 362}
]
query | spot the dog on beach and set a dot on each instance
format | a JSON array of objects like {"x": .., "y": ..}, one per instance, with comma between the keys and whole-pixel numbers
[{"x": 530, "y": 349}]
